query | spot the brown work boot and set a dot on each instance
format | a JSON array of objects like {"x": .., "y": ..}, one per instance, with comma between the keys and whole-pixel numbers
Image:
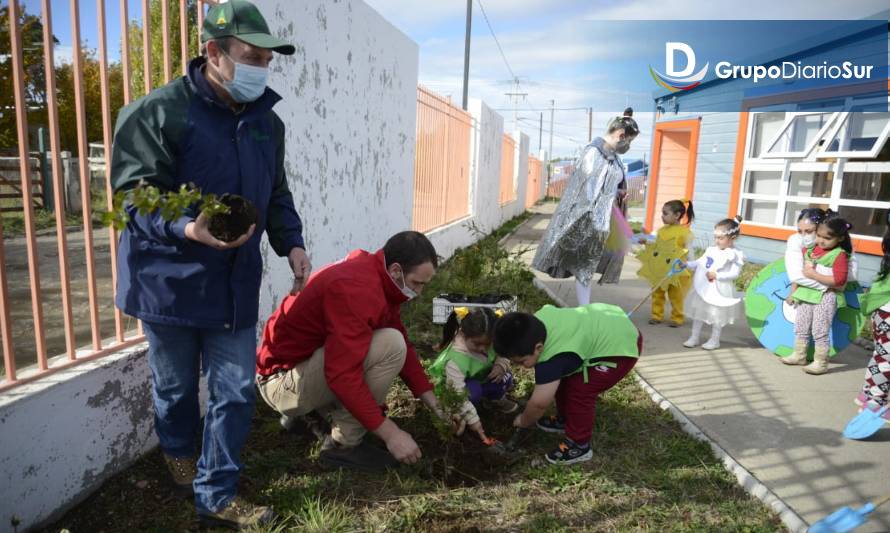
[
  {"x": 238, "y": 514},
  {"x": 183, "y": 472}
]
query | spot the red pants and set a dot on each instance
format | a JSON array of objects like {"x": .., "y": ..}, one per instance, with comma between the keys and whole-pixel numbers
[{"x": 576, "y": 400}]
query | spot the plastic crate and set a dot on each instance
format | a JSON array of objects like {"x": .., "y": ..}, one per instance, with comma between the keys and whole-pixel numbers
[{"x": 442, "y": 307}]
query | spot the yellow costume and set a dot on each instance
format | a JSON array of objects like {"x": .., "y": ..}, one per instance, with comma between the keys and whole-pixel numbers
[{"x": 676, "y": 237}]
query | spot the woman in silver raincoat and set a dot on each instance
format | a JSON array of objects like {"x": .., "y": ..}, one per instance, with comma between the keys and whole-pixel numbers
[{"x": 573, "y": 243}]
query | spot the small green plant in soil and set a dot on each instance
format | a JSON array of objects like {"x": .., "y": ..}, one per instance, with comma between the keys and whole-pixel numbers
[{"x": 229, "y": 215}]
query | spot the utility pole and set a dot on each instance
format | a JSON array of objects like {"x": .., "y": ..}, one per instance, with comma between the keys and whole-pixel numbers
[
  {"x": 515, "y": 96},
  {"x": 540, "y": 131},
  {"x": 467, "y": 53},
  {"x": 589, "y": 125},
  {"x": 550, "y": 152}
]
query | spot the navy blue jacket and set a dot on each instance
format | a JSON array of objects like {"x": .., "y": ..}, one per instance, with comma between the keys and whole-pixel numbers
[{"x": 183, "y": 133}]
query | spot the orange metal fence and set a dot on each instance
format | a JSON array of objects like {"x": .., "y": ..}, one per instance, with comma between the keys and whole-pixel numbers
[
  {"x": 442, "y": 162},
  {"x": 70, "y": 295},
  {"x": 535, "y": 175},
  {"x": 556, "y": 187},
  {"x": 508, "y": 165}
]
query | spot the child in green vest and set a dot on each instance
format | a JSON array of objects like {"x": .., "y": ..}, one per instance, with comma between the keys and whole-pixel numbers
[
  {"x": 577, "y": 353},
  {"x": 467, "y": 362},
  {"x": 827, "y": 263},
  {"x": 876, "y": 302}
]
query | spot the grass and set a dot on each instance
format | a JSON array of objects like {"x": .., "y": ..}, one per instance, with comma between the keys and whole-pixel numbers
[
  {"x": 646, "y": 473},
  {"x": 14, "y": 221}
]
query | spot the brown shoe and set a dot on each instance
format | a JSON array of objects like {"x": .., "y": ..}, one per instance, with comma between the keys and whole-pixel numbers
[
  {"x": 183, "y": 472},
  {"x": 238, "y": 514}
]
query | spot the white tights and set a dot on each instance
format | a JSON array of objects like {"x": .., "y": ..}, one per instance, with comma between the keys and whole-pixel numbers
[{"x": 582, "y": 292}]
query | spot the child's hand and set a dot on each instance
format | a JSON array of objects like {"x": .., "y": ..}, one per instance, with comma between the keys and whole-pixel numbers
[
  {"x": 809, "y": 269},
  {"x": 497, "y": 374},
  {"x": 477, "y": 427},
  {"x": 711, "y": 276},
  {"x": 790, "y": 299}
]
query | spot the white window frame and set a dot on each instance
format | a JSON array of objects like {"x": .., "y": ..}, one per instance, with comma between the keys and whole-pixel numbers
[
  {"x": 840, "y": 129},
  {"x": 789, "y": 120},
  {"x": 813, "y": 161}
]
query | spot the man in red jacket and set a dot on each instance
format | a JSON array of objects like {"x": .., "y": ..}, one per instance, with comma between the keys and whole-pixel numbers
[{"x": 336, "y": 347}]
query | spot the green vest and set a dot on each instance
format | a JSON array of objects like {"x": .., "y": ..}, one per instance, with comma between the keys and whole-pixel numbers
[
  {"x": 878, "y": 295},
  {"x": 593, "y": 332},
  {"x": 470, "y": 366},
  {"x": 814, "y": 296}
]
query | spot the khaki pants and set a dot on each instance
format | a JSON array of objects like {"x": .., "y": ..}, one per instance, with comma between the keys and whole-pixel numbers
[{"x": 304, "y": 388}]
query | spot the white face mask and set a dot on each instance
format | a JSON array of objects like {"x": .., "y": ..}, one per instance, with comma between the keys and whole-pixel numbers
[
  {"x": 808, "y": 240},
  {"x": 248, "y": 83},
  {"x": 406, "y": 290}
]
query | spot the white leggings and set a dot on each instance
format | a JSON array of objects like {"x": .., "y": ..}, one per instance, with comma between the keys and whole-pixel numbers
[{"x": 582, "y": 292}]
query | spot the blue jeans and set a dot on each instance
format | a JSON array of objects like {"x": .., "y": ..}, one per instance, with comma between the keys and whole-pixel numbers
[{"x": 176, "y": 356}]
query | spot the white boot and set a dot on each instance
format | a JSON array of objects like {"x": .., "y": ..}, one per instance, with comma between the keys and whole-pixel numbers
[
  {"x": 692, "y": 341},
  {"x": 799, "y": 355},
  {"x": 582, "y": 292},
  {"x": 714, "y": 342},
  {"x": 819, "y": 365}
]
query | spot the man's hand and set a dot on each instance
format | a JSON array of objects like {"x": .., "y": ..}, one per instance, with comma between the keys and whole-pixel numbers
[
  {"x": 299, "y": 263},
  {"x": 402, "y": 446},
  {"x": 199, "y": 231}
]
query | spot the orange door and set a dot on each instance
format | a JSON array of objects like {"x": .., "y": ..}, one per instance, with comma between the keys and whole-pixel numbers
[{"x": 672, "y": 175}]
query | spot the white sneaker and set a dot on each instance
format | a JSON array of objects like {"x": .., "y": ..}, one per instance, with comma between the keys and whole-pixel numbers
[
  {"x": 691, "y": 342},
  {"x": 712, "y": 344}
]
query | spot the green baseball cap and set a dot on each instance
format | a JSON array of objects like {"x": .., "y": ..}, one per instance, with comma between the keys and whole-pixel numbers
[{"x": 242, "y": 20}]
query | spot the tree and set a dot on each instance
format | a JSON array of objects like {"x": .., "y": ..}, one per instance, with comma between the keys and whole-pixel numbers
[
  {"x": 92, "y": 97},
  {"x": 137, "y": 76},
  {"x": 35, "y": 76}
]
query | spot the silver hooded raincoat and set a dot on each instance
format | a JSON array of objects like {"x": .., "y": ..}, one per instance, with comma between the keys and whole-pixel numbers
[{"x": 573, "y": 243}]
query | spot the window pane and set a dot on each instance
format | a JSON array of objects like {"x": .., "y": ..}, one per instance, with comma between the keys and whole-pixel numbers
[
  {"x": 874, "y": 186},
  {"x": 766, "y": 125},
  {"x": 762, "y": 211},
  {"x": 859, "y": 133},
  {"x": 865, "y": 220},
  {"x": 793, "y": 209},
  {"x": 800, "y": 133},
  {"x": 763, "y": 181},
  {"x": 806, "y": 183}
]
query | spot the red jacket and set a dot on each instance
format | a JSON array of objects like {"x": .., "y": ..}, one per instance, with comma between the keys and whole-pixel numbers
[{"x": 340, "y": 307}]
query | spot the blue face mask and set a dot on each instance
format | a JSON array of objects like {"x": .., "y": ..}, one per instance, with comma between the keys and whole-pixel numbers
[{"x": 248, "y": 84}]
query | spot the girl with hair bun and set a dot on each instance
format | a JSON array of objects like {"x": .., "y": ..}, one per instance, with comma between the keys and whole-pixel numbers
[{"x": 713, "y": 299}]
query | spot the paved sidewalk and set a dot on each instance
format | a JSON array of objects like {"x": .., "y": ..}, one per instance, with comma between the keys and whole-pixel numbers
[{"x": 780, "y": 424}]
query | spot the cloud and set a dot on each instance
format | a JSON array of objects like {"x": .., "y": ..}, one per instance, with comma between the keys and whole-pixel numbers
[
  {"x": 63, "y": 55},
  {"x": 410, "y": 16},
  {"x": 748, "y": 10}
]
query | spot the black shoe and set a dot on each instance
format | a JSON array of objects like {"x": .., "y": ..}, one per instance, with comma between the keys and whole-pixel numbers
[
  {"x": 552, "y": 424},
  {"x": 569, "y": 453},
  {"x": 311, "y": 423},
  {"x": 365, "y": 456}
]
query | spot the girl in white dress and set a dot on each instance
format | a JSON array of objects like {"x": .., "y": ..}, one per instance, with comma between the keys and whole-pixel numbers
[{"x": 713, "y": 299}]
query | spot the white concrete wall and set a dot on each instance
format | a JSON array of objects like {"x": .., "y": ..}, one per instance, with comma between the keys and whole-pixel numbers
[
  {"x": 349, "y": 105},
  {"x": 520, "y": 175}
]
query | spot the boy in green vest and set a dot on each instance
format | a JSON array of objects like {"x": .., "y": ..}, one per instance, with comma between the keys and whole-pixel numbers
[{"x": 577, "y": 353}]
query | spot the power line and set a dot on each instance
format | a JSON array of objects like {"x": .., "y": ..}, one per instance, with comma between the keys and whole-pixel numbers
[
  {"x": 563, "y": 137},
  {"x": 488, "y": 23},
  {"x": 535, "y": 109}
]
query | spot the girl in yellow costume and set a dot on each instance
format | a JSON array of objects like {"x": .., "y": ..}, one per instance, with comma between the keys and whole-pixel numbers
[{"x": 672, "y": 215}]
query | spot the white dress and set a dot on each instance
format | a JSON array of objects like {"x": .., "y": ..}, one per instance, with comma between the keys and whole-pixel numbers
[{"x": 716, "y": 302}]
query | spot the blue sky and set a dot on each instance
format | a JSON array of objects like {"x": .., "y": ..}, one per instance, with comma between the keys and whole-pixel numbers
[{"x": 556, "y": 48}]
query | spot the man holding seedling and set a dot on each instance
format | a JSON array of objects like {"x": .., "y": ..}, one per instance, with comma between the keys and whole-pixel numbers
[{"x": 198, "y": 296}]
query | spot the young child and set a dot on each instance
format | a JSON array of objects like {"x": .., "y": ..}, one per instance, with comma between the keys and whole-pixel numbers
[
  {"x": 876, "y": 302},
  {"x": 577, "y": 353},
  {"x": 713, "y": 299},
  {"x": 672, "y": 215},
  {"x": 468, "y": 362},
  {"x": 828, "y": 263}
]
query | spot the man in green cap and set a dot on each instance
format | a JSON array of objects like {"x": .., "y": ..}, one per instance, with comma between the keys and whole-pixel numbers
[{"x": 198, "y": 296}]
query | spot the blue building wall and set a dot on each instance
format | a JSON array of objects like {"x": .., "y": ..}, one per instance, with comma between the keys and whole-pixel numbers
[{"x": 716, "y": 159}]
